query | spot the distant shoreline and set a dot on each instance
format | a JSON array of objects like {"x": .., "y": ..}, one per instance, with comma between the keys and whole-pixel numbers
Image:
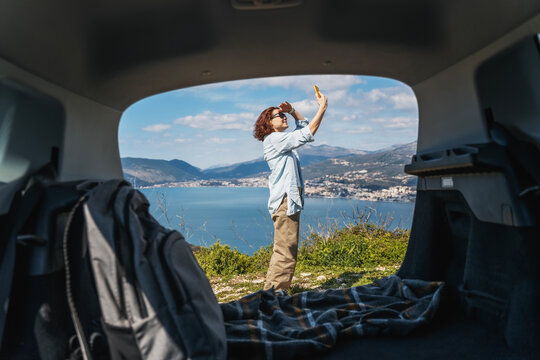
[
  {"x": 198, "y": 187},
  {"x": 307, "y": 195}
]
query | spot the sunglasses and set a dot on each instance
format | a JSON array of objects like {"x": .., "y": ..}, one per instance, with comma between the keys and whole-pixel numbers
[{"x": 280, "y": 114}]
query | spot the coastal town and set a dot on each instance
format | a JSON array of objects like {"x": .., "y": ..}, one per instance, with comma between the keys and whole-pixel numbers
[
  {"x": 375, "y": 176},
  {"x": 348, "y": 185}
]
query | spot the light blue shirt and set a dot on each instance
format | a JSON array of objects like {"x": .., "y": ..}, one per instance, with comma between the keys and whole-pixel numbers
[{"x": 283, "y": 160}]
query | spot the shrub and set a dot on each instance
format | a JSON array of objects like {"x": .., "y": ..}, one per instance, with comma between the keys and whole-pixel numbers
[
  {"x": 261, "y": 258},
  {"x": 388, "y": 248},
  {"x": 219, "y": 259},
  {"x": 342, "y": 250},
  {"x": 361, "y": 243},
  {"x": 358, "y": 245}
]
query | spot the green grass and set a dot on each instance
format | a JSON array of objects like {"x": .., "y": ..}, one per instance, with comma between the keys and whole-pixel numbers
[{"x": 330, "y": 258}]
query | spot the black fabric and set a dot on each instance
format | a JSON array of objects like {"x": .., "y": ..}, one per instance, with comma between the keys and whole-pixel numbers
[
  {"x": 454, "y": 339},
  {"x": 39, "y": 295},
  {"x": 20, "y": 218},
  {"x": 38, "y": 321},
  {"x": 491, "y": 270},
  {"x": 7, "y": 265}
]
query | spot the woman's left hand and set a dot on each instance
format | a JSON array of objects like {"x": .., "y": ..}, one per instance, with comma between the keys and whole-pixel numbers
[{"x": 285, "y": 107}]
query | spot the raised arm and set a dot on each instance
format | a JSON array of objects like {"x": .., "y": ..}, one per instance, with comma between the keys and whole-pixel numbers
[
  {"x": 283, "y": 142},
  {"x": 316, "y": 121}
]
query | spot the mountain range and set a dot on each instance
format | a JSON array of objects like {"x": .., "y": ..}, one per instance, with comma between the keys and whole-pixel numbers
[{"x": 316, "y": 161}]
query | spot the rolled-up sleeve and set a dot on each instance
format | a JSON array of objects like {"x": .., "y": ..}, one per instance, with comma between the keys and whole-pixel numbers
[
  {"x": 284, "y": 142},
  {"x": 301, "y": 124}
]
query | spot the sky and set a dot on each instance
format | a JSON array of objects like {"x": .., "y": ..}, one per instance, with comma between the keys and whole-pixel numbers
[{"x": 212, "y": 125}]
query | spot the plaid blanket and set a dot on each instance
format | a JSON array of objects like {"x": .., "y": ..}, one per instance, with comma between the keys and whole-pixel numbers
[{"x": 265, "y": 325}]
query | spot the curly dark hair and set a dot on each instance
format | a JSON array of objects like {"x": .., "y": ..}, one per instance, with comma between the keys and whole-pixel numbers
[{"x": 263, "y": 126}]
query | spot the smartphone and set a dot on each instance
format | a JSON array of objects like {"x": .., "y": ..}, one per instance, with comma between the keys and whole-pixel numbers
[{"x": 317, "y": 91}]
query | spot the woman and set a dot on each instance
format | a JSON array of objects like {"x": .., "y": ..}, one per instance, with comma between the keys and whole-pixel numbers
[{"x": 286, "y": 183}]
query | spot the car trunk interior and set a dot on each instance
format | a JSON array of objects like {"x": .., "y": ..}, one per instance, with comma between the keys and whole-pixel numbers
[{"x": 68, "y": 70}]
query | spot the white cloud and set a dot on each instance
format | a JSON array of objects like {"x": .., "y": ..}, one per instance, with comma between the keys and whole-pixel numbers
[
  {"x": 359, "y": 130},
  {"x": 349, "y": 118},
  {"x": 376, "y": 95},
  {"x": 216, "y": 140},
  {"x": 180, "y": 140},
  {"x": 338, "y": 96},
  {"x": 400, "y": 97},
  {"x": 212, "y": 121},
  {"x": 398, "y": 122},
  {"x": 252, "y": 107},
  {"x": 157, "y": 127},
  {"x": 404, "y": 101},
  {"x": 344, "y": 104},
  {"x": 302, "y": 82},
  {"x": 306, "y": 107}
]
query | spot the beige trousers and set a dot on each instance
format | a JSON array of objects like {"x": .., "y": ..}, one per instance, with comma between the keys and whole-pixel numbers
[{"x": 283, "y": 261}]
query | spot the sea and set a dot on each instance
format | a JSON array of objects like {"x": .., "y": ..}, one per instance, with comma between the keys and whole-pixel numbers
[{"x": 238, "y": 216}]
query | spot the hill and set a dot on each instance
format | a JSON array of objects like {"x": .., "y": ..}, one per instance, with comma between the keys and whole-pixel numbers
[
  {"x": 320, "y": 165},
  {"x": 373, "y": 177},
  {"x": 381, "y": 165},
  {"x": 308, "y": 153},
  {"x": 144, "y": 172},
  {"x": 372, "y": 171}
]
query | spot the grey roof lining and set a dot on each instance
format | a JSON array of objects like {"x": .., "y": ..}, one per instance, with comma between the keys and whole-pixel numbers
[{"x": 118, "y": 53}]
